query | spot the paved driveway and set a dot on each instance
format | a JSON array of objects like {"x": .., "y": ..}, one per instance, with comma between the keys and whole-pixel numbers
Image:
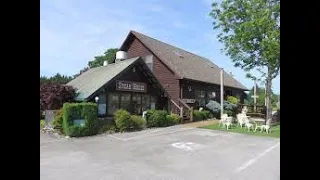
[{"x": 167, "y": 153}]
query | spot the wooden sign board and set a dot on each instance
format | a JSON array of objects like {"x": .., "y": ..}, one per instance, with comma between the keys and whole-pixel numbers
[
  {"x": 189, "y": 101},
  {"x": 131, "y": 86}
]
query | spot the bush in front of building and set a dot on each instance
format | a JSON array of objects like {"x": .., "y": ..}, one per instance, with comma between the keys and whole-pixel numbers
[
  {"x": 138, "y": 122},
  {"x": 197, "y": 115},
  {"x": 123, "y": 120},
  {"x": 58, "y": 120},
  {"x": 158, "y": 119},
  {"x": 126, "y": 122},
  {"x": 149, "y": 113},
  {"x": 202, "y": 115},
  {"x": 42, "y": 123},
  {"x": 230, "y": 109},
  {"x": 233, "y": 100},
  {"x": 173, "y": 119},
  {"x": 86, "y": 111},
  {"x": 206, "y": 114}
]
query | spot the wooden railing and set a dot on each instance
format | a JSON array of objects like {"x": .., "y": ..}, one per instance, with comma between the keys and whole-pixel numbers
[
  {"x": 187, "y": 110},
  {"x": 175, "y": 108},
  {"x": 258, "y": 111}
]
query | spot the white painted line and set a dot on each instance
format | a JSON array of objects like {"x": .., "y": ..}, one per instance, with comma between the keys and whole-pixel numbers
[
  {"x": 251, "y": 161},
  {"x": 156, "y": 134},
  {"x": 56, "y": 140},
  {"x": 115, "y": 137}
]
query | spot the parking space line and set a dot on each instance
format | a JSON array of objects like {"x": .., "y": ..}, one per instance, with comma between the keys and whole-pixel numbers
[
  {"x": 253, "y": 160},
  {"x": 115, "y": 137},
  {"x": 156, "y": 134},
  {"x": 56, "y": 140}
]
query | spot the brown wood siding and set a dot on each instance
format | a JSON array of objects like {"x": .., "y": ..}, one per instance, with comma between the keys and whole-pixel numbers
[
  {"x": 207, "y": 87},
  {"x": 166, "y": 77}
]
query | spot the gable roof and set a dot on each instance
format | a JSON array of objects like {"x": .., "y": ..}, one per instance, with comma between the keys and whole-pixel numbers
[
  {"x": 93, "y": 79},
  {"x": 186, "y": 64},
  {"x": 89, "y": 82}
]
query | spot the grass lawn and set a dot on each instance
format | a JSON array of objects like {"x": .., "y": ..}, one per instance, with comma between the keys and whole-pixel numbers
[{"x": 275, "y": 130}]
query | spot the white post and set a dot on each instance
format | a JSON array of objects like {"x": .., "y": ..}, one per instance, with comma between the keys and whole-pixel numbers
[
  {"x": 221, "y": 92},
  {"x": 255, "y": 95}
]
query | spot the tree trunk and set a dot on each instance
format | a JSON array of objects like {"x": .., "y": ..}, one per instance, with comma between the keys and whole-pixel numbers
[{"x": 268, "y": 96}]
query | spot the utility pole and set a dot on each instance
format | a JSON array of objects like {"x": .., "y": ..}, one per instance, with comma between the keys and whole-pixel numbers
[{"x": 221, "y": 92}]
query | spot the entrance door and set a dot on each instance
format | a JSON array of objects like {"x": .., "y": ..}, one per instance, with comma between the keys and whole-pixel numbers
[{"x": 136, "y": 103}]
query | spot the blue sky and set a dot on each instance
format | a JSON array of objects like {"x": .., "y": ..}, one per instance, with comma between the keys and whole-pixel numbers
[{"x": 72, "y": 32}]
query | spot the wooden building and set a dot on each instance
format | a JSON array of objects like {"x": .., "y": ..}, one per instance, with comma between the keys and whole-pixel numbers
[
  {"x": 186, "y": 80},
  {"x": 127, "y": 84}
]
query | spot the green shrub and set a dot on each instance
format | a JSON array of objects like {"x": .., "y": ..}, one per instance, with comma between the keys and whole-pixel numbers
[
  {"x": 149, "y": 113},
  {"x": 158, "y": 119},
  {"x": 202, "y": 115},
  {"x": 173, "y": 119},
  {"x": 138, "y": 122},
  {"x": 206, "y": 114},
  {"x": 42, "y": 123},
  {"x": 86, "y": 111},
  {"x": 197, "y": 115},
  {"x": 58, "y": 120},
  {"x": 123, "y": 120},
  {"x": 233, "y": 100},
  {"x": 108, "y": 128}
]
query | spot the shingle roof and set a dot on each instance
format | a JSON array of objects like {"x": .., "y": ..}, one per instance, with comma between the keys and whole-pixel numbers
[
  {"x": 93, "y": 79},
  {"x": 187, "y": 64}
]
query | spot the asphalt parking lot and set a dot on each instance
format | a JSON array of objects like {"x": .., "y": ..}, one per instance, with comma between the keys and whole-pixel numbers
[{"x": 166, "y": 153}]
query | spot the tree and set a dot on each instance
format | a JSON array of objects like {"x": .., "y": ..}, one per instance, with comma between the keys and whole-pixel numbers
[
  {"x": 109, "y": 56},
  {"x": 81, "y": 71},
  {"x": 261, "y": 97},
  {"x": 56, "y": 79},
  {"x": 52, "y": 96},
  {"x": 250, "y": 32}
]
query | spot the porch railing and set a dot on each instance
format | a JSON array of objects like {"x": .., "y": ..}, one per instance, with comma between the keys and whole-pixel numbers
[
  {"x": 175, "y": 108},
  {"x": 187, "y": 110}
]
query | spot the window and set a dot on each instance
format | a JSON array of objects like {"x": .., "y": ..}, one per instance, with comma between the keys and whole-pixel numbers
[
  {"x": 153, "y": 102},
  {"x": 200, "y": 97},
  {"x": 149, "y": 61},
  {"x": 136, "y": 103},
  {"x": 113, "y": 103},
  {"x": 125, "y": 101},
  {"x": 210, "y": 96},
  {"x": 145, "y": 102},
  {"x": 102, "y": 107}
]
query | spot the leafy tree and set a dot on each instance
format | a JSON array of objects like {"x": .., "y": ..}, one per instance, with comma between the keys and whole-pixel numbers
[
  {"x": 250, "y": 32},
  {"x": 109, "y": 56},
  {"x": 56, "y": 79},
  {"x": 261, "y": 97},
  {"x": 52, "y": 96},
  {"x": 81, "y": 71}
]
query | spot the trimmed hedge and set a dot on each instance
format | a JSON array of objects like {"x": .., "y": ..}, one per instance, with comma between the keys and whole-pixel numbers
[{"x": 86, "y": 111}]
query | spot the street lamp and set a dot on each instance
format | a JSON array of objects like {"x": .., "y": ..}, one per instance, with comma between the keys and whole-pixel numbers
[{"x": 96, "y": 99}]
